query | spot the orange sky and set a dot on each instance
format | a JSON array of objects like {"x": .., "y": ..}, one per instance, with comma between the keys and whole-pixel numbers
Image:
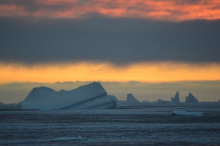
[
  {"x": 175, "y": 10},
  {"x": 143, "y": 72}
]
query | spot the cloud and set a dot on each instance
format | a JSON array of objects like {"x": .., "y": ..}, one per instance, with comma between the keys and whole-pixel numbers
[
  {"x": 160, "y": 9},
  {"x": 142, "y": 72},
  {"x": 104, "y": 39}
]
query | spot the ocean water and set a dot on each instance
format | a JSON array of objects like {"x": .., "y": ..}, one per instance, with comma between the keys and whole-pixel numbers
[{"x": 151, "y": 124}]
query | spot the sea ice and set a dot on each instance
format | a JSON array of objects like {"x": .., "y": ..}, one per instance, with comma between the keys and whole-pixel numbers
[
  {"x": 186, "y": 113},
  {"x": 79, "y": 138}
]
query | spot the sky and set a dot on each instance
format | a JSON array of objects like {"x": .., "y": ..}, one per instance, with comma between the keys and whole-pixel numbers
[{"x": 151, "y": 48}]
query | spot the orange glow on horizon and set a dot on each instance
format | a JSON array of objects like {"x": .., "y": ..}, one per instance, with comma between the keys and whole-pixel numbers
[
  {"x": 173, "y": 10},
  {"x": 142, "y": 72}
]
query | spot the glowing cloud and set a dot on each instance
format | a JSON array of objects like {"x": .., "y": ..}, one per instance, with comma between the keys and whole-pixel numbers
[
  {"x": 175, "y": 10},
  {"x": 151, "y": 72}
]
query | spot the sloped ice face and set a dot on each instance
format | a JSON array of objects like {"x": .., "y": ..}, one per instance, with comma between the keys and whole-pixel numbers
[
  {"x": 37, "y": 94},
  {"x": 191, "y": 99},
  {"x": 99, "y": 102},
  {"x": 87, "y": 96}
]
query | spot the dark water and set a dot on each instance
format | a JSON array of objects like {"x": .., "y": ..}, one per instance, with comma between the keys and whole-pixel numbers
[{"x": 149, "y": 125}]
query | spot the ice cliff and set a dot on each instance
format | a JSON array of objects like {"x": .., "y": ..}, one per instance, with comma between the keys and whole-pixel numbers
[{"x": 91, "y": 96}]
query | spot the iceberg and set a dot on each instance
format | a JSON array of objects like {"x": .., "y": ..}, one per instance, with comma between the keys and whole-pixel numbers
[
  {"x": 176, "y": 98},
  {"x": 91, "y": 96},
  {"x": 191, "y": 99},
  {"x": 186, "y": 113},
  {"x": 162, "y": 101},
  {"x": 131, "y": 100},
  {"x": 11, "y": 106}
]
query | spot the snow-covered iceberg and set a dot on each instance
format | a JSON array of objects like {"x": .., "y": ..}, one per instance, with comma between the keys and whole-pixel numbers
[
  {"x": 186, "y": 113},
  {"x": 176, "y": 98},
  {"x": 91, "y": 96},
  {"x": 191, "y": 99}
]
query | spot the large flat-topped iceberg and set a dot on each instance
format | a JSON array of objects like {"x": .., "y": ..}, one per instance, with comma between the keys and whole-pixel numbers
[{"x": 91, "y": 96}]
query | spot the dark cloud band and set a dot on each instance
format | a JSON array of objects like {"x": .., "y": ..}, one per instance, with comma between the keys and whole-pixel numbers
[{"x": 120, "y": 41}]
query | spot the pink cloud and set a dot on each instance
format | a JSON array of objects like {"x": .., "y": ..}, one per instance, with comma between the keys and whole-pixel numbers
[{"x": 173, "y": 10}]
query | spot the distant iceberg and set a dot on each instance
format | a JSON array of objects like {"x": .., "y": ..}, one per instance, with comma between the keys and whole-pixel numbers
[
  {"x": 176, "y": 98},
  {"x": 131, "y": 100},
  {"x": 191, "y": 99},
  {"x": 11, "y": 106},
  {"x": 162, "y": 101},
  {"x": 91, "y": 96}
]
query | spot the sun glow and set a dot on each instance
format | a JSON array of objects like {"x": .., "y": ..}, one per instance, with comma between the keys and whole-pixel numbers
[{"x": 142, "y": 72}]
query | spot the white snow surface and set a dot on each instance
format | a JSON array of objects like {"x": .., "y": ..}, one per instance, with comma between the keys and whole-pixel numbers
[
  {"x": 186, "y": 113},
  {"x": 83, "y": 97}
]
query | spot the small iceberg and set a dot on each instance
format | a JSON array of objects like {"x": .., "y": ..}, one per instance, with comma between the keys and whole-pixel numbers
[
  {"x": 131, "y": 100},
  {"x": 186, "y": 113},
  {"x": 191, "y": 99},
  {"x": 79, "y": 138},
  {"x": 176, "y": 98}
]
